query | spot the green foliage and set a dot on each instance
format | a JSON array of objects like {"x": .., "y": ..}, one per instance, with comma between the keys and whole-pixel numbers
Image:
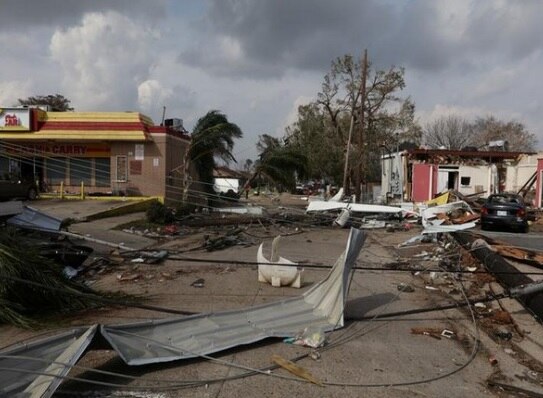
[
  {"x": 313, "y": 136},
  {"x": 278, "y": 165},
  {"x": 57, "y": 102},
  {"x": 322, "y": 129},
  {"x": 159, "y": 214},
  {"x": 213, "y": 136}
]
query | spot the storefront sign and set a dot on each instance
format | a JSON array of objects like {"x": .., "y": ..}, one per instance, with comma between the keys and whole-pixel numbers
[
  {"x": 58, "y": 149},
  {"x": 14, "y": 119}
]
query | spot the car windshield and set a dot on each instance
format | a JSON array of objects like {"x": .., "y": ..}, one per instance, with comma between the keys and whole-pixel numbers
[{"x": 503, "y": 199}]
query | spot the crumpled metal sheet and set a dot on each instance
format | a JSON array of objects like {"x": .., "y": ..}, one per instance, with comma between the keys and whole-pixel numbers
[
  {"x": 36, "y": 369},
  {"x": 188, "y": 337},
  {"x": 32, "y": 218},
  {"x": 29, "y": 370}
]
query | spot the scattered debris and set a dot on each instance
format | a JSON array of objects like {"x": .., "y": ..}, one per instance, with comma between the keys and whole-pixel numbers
[
  {"x": 128, "y": 277},
  {"x": 231, "y": 238},
  {"x": 146, "y": 256},
  {"x": 252, "y": 210},
  {"x": 171, "y": 229},
  {"x": 448, "y": 217},
  {"x": 436, "y": 333},
  {"x": 404, "y": 287},
  {"x": 310, "y": 337},
  {"x": 503, "y": 334},
  {"x": 198, "y": 283}
]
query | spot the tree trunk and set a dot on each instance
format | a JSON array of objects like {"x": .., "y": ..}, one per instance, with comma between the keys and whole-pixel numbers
[{"x": 360, "y": 167}]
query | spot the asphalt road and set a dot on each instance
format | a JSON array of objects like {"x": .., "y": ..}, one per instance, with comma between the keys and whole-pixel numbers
[{"x": 531, "y": 240}]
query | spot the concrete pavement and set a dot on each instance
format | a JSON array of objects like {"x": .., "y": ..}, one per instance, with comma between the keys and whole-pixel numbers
[{"x": 374, "y": 358}]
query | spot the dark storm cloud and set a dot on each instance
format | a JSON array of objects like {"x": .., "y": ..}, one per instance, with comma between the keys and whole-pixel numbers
[
  {"x": 514, "y": 28},
  {"x": 24, "y": 15},
  {"x": 274, "y": 35}
]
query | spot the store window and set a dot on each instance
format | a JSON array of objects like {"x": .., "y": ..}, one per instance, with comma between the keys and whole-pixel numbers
[
  {"x": 102, "y": 172},
  {"x": 121, "y": 168},
  {"x": 56, "y": 170},
  {"x": 80, "y": 171},
  {"x": 4, "y": 168}
]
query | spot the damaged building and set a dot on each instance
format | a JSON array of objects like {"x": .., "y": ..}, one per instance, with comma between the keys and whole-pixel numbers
[{"x": 418, "y": 175}]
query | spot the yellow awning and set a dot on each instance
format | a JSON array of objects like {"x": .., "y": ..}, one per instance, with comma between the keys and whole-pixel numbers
[{"x": 77, "y": 135}]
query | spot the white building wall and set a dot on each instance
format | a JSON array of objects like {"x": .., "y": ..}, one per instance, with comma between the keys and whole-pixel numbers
[
  {"x": 226, "y": 184},
  {"x": 478, "y": 179},
  {"x": 518, "y": 174}
]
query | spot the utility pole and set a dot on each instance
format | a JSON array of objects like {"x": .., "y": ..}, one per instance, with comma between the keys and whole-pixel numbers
[
  {"x": 360, "y": 169},
  {"x": 163, "y": 115},
  {"x": 346, "y": 187}
]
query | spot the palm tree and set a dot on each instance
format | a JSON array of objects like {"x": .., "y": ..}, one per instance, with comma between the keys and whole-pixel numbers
[
  {"x": 213, "y": 136},
  {"x": 278, "y": 164}
]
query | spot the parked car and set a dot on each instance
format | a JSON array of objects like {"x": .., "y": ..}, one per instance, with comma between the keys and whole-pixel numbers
[
  {"x": 504, "y": 210},
  {"x": 13, "y": 188}
]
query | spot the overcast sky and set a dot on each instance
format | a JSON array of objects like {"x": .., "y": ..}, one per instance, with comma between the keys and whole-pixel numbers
[{"x": 258, "y": 60}]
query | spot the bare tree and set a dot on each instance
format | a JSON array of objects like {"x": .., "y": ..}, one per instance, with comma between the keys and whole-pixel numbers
[
  {"x": 448, "y": 132},
  {"x": 491, "y": 129}
]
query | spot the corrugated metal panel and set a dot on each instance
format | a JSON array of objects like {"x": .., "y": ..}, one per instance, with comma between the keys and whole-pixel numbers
[
  {"x": 23, "y": 377},
  {"x": 11, "y": 207},
  {"x": 34, "y": 219},
  {"x": 180, "y": 338},
  {"x": 188, "y": 337}
]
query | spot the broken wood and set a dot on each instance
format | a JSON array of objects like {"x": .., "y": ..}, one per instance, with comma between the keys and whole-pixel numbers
[
  {"x": 432, "y": 332},
  {"x": 295, "y": 369},
  {"x": 467, "y": 217},
  {"x": 523, "y": 255}
]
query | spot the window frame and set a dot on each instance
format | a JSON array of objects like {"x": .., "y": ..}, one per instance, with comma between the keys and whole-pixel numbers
[{"x": 125, "y": 171}]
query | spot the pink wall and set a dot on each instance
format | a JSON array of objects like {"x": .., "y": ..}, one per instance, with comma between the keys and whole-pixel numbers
[{"x": 424, "y": 182}]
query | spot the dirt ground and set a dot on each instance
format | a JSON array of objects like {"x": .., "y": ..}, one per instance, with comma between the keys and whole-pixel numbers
[{"x": 371, "y": 357}]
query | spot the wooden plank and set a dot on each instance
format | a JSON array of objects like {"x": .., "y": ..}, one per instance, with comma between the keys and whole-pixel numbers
[{"x": 295, "y": 369}]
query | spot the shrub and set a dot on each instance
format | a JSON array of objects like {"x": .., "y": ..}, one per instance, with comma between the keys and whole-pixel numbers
[{"x": 159, "y": 214}]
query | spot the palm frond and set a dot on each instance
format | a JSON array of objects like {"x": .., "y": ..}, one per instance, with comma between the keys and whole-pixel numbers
[{"x": 32, "y": 286}]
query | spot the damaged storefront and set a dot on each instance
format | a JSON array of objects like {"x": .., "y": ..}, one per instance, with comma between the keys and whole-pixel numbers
[
  {"x": 113, "y": 153},
  {"x": 420, "y": 174}
]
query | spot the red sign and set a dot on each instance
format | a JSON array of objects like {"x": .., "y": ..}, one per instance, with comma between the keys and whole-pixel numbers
[
  {"x": 11, "y": 120},
  {"x": 58, "y": 150}
]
